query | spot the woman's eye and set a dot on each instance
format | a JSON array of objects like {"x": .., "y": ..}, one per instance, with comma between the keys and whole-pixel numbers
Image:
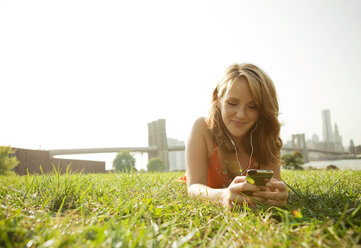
[
  {"x": 232, "y": 103},
  {"x": 252, "y": 106}
]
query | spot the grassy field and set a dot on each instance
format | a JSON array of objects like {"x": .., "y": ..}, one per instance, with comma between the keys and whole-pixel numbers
[{"x": 153, "y": 210}]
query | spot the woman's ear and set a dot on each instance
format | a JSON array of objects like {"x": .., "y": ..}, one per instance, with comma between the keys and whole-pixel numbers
[
  {"x": 215, "y": 95},
  {"x": 216, "y": 99},
  {"x": 219, "y": 105}
]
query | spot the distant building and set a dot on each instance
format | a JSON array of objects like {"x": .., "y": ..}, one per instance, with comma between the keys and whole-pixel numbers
[
  {"x": 338, "y": 140},
  {"x": 313, "y": 142},
  {"x": 328, "y": 138},
  {"x": 315, "y": 138},
  {"x": 352, "y": 148},
  {"x": 331, "y": 139},
  {"x": 176, "y": 159}
]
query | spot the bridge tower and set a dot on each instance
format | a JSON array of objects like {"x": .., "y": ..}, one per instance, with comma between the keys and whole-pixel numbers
[
  {"x": 157, "y": 136},
  {"x": 299, "y": 142}
]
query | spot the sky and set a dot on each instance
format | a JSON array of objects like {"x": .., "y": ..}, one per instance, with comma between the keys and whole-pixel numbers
[{"x": 81, "y": 74}]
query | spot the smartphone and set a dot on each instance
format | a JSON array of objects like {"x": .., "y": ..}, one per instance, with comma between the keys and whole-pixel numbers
[{"x": 257, "y": 177}]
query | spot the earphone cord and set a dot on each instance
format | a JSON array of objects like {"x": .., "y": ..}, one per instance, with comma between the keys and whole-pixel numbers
[{"x": 235, "y": 148}]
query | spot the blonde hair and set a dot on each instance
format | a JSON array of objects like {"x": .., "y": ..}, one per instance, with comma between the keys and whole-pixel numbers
[{"x": 266, "y": 141}]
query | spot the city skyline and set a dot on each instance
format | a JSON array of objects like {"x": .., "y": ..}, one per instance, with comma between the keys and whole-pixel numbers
[
  {"x": 332, "y": 139},
  {"x": 175, "y": 159}
]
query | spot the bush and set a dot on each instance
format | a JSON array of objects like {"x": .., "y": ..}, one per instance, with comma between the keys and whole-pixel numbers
[
  {"x": 293, "y": 160},
  {"x": 7, "y": 160},
  {"x": 155, "y": 164},
  {"x": 124, "y": 162}
]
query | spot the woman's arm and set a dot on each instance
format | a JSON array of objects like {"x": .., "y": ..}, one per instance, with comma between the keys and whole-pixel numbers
[
  {"x": 197, "y": 155},
  {"x": 197, "y": 172}
]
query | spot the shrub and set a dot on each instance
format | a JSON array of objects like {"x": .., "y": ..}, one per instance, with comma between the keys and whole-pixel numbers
[
  {"x": 7, "y": 160},
  {"x": 124, "y": 162},
  {"x": 293, "y": 160},
  {"x": 155, "y": 164}
]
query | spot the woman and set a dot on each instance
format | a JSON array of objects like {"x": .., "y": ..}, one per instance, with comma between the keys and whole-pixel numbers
[{"x": 240, "y": 133}]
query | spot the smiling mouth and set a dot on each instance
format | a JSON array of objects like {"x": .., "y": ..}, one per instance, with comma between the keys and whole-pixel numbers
[{"x": 239, "y": 123}]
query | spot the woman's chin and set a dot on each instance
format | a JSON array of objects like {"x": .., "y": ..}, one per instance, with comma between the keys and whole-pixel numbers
[{"x": 237, "y": 134}]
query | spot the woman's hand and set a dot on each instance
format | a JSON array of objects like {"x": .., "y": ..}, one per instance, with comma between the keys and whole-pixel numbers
[
  {"x": 275, "y": 193},
  {"x": 235, "y": 193}
]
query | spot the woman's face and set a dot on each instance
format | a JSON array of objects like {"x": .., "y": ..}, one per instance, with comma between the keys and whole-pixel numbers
[{"x": 238, "y": 109}]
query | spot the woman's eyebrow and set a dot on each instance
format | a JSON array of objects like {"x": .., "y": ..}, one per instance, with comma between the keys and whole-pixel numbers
[
  {"x": 237, "y": 99},
  {"x": 232, "y": 98}
]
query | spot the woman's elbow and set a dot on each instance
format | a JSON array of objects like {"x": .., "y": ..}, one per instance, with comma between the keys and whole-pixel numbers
[{"x": 194, "y": 189}]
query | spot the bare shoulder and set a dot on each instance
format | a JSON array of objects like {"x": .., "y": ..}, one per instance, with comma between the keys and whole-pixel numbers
[
  {"x": 201, "y": 133},
  {"x": 200, "y": 128},
  {"x": 200, "y": 124}
]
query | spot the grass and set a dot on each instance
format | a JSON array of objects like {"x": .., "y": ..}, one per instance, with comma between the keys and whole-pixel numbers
[{"x": 153, "y": 210}]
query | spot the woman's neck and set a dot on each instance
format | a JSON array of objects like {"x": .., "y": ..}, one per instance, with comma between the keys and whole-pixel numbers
[{"x": 238, "y": 142}]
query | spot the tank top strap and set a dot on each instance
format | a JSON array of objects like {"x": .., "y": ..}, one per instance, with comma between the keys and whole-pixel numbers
[
  {"x": 214, "y": 156},
  {"x": 215, "y": 146}
]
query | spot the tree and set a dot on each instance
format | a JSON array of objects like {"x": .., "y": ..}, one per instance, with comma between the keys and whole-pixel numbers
[
  {"x": 293, "y": 160},
  {"x": 7, "y": 160},
  {"x": 155, "y": 164},
  {"x": 124, "y": 162}
]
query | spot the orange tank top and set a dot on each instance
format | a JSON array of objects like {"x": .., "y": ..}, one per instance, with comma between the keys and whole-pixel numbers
[{"x": 217, "y": 178}]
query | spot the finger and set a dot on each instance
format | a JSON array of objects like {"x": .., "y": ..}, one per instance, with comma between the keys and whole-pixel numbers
[
  {"x": 281, "y": 186},
  {"x": 276, "y": 203},
  {"x": 240, "y": 199},
  {"x": 239, "y": 179},
  {"x": 263, "y": 188},
  {"x": 243, "y": 187},
  {"x": 272, "y": 195},
  {"x": 250, "y": 201},
  {"x": 257, "y": 199}
]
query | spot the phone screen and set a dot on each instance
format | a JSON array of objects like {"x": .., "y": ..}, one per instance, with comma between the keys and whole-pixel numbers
[{"x": 257, "y": 177}]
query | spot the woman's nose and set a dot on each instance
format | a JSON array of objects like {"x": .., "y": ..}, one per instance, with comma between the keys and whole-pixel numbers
[{"x": 240, "y": 112}]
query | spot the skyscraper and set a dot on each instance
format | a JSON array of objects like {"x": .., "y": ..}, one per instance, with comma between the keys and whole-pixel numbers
[
  {"x": 328, "y": 136},
  {"x": 338, "y": 139}
]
